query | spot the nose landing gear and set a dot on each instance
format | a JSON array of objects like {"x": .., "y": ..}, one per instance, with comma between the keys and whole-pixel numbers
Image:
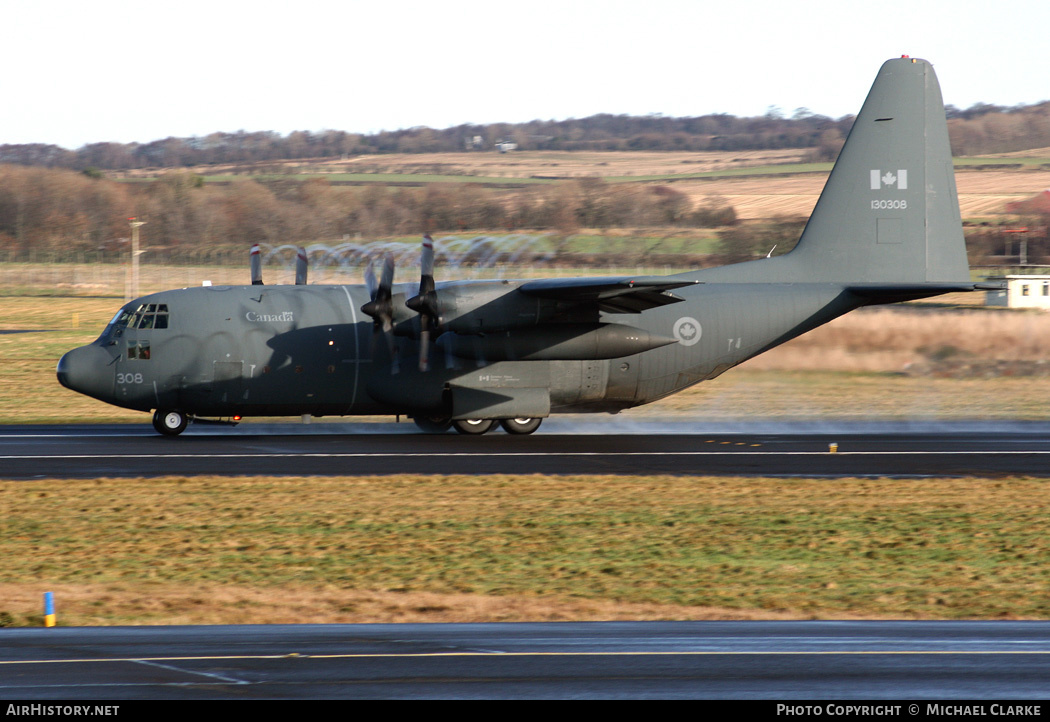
[{"x": 170, "y": 422}]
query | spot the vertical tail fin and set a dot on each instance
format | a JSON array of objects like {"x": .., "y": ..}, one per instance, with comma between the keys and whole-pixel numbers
[{"x": 889, "y": 213}]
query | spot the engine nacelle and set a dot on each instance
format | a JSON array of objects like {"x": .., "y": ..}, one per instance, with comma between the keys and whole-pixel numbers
[{"x": 474, "y": 308}]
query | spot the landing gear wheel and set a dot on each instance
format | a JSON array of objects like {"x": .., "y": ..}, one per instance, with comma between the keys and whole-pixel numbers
[
  {"x": 520, "y": 426},
  {"x": 170, "y": 422},
  {"x": 473, "y": 427},
  {"x": 433, "y": 424}
]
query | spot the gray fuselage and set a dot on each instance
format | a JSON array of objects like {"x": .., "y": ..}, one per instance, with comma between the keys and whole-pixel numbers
[{"x": 291, "y": 350}]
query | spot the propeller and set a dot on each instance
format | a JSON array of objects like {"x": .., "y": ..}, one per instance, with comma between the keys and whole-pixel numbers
[
  {"x": 426, "y": 302},
  {"x": 301, "y": 262},
  {"x": 381, "y": 307},
  {"x": 256, "y": 265}
]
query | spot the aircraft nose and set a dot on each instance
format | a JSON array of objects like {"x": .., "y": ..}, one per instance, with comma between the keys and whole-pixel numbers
[{"x": 86, "y": 370}]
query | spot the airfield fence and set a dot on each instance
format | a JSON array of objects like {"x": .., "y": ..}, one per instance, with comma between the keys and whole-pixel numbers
[{"x": 112, "y": 279}]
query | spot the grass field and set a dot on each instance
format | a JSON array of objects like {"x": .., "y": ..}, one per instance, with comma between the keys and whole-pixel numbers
[
  {"x": 468, "y": 548},
  {"x": 981, "y": 193},
  {"x": 388, "y": 178},
  {"x": 758, "y": 184},
  {"x": 540, "y": 166}
]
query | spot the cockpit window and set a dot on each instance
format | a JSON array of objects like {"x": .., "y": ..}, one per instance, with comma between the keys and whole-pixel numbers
[
  {"x": 152, "y": 315},
  {"x": 146, "y": 316}
]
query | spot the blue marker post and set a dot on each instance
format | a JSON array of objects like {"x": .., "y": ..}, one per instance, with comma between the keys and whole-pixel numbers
[{"x": 49, "y": 609}]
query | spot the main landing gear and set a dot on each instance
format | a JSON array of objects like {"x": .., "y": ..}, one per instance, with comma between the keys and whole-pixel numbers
[
  {"x": 473, "y": 427},
  {"x": 170, "y": 422},
  {"x": 476, "y": 427},
  {"x": 520, "y": 426}
]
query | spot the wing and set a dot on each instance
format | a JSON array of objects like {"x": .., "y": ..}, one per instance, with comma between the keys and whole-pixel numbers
[{"x": 624, "y": 294}]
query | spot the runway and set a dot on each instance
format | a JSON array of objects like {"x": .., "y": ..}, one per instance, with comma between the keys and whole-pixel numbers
[
  {"x": 561, "y": 447},
  {"x": 627, "y": 660}
]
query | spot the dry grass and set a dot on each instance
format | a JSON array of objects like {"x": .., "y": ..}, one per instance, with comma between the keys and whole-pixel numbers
[
  {"x": 465, "y": 548},
  {"x": 29, "y": 391},
  {"x": 981, "y": 193},
  {"x": 525, "y": 164},
  {"x": 139, "y": 603},
  {"x": 108, "y": 280},
  {"x": 1030, "y": 153},
  {"x": 756, "y": 396},
  {"x": 889, "y": 339}
]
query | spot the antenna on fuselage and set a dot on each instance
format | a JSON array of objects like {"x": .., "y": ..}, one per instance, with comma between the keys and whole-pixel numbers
[
  {"x": 300, "y": 266},
  {"x": 256, "y": 265}
]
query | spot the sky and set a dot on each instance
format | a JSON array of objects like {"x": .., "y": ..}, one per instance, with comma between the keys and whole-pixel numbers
[{"x": 110, "y": 70}]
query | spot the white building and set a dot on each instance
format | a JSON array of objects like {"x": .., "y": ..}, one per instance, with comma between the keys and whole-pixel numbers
[{"x": 1025, "y": 291}]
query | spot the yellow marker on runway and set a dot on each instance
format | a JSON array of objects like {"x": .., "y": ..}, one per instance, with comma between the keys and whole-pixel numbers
[
  {"x": 49, "y": 609},
  {"x": 833, "y": 448}
]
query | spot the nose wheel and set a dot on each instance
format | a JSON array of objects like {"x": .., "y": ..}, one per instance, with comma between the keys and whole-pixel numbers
[{"x": 170, "y": 422}]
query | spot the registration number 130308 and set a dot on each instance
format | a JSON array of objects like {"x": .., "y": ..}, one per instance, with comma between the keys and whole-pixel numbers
[{"x": 888, "y": 205}]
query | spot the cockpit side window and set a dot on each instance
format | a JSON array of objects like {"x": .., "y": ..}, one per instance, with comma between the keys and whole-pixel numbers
[
  {"x": 138, "y": 350},
  {"x": 115, "y": 328},
  {"x": 122, "y": 318}
]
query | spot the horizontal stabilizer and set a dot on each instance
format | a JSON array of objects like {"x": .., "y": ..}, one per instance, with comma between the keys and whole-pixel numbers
[
  {"x": 894, "y": 292},
  {"x": 612, "y": 295}
]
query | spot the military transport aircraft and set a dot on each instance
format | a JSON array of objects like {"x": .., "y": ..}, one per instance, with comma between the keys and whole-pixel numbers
[{"x": 471, "y": 354}]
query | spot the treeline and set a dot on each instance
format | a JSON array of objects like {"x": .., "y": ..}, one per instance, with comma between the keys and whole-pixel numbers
[
  {"x": 979, "y": 129},
  {"x": 599, "y": 132},
  {"x": 63, "y": 212},
  {"x": 986, "y": 129}
]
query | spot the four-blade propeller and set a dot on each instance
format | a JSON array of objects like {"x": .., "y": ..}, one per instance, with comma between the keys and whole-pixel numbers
[
  {"x": 426, "y": 302},
  {"x": 381, "y": 307}
]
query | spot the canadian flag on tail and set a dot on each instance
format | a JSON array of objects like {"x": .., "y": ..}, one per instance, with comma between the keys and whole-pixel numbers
[{"x": 879, "y": 179}]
